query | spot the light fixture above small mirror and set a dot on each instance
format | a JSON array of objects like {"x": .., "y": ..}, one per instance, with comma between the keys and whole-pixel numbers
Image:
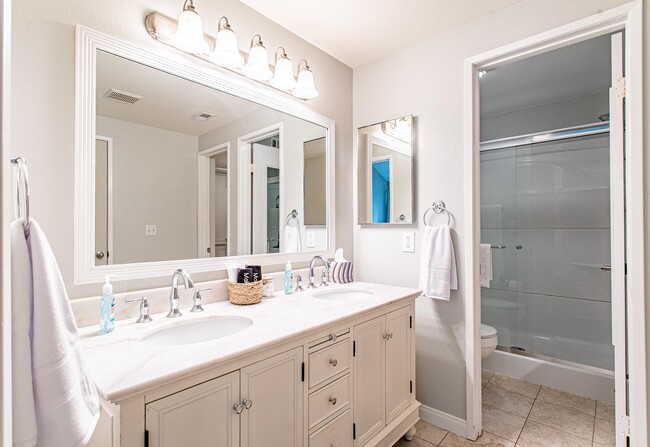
[{"x": 385, "y": 174}]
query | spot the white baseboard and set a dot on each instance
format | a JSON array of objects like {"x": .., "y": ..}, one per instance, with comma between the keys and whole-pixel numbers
[{"x": 440, "y": 419}]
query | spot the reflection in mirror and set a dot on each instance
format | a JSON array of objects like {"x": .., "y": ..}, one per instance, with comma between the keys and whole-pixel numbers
[
  {"x": 386, "y": 172},
  {"x": 185, "y": 171}
]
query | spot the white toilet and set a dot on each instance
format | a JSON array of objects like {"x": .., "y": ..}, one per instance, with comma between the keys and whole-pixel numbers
[{"x": 489, "y": 340}]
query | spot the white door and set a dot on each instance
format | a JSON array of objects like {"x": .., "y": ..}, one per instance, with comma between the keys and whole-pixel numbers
[
  {"x": 273, "y": 391},
  {"x": 398, "y": 365},
  {"x": 369, "y": 379},
  {"x": 200, "y": 416},
  {"x": 617, "y": 216},
  {"x": 102, "y": 201},
  {"x": 264, "y": 157}
]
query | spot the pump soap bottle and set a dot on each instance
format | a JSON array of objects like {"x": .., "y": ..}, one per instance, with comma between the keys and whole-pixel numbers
[
  {"x": 107, "y": 308},
  {"x": 288, "y": 279}
]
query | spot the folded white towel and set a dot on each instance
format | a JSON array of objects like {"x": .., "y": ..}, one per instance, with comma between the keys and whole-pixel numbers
[
  {"x": 24, "y": 414},
  {"x": 486, "y": 265},
  {"x": 438, "y": 274},
  {"x": 65, "y": 399},
  {"x": 290, "y": 240}
]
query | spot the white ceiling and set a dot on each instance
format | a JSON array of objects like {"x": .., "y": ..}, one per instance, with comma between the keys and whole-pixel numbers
[
  {"x": 359, "y": 31},
  {"x": 570, "y": 72},
  {"x": 168, "y": 102}
]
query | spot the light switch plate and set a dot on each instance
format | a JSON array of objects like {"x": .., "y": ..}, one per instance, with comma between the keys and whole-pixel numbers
[
  {"x": 150, "y": 230},
  {"x": 408, "y": 241}
]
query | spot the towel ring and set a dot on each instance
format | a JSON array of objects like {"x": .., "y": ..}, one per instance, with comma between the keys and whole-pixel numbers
[
  {"x": 292, "y": 215},
  {"x": 22, "y": 192},
  {"x": 438, "y": 207}
]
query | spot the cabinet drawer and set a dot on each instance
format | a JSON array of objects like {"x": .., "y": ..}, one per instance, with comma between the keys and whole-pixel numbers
[
  {"x": 328, "y": 400},
  {"x": 328, "y": 339},
  {"x": 329, "y": 362},
  {"x": 337, "y": 433}
]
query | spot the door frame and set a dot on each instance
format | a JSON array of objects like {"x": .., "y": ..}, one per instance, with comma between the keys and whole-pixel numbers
[
  {"x": 203, "y": 176},
  {"x": 109, "y": 213},
  {"x": 630, "y": 18},
  {"x": 244, "y": 244}
]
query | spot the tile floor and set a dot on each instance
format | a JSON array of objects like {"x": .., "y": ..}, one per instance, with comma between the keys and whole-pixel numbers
[{"x": 521, "y": 414}]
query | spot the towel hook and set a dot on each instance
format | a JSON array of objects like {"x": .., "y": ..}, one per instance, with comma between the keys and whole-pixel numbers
[
  {"x": 438, "y": 207},
  {"x": 22, "y": 192}
]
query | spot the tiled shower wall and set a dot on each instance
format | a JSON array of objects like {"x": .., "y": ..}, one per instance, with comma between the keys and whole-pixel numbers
[{"x": 548, "y": 203}]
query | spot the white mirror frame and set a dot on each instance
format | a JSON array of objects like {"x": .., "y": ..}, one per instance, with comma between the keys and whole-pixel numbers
[{"x": 88, "y": 41}]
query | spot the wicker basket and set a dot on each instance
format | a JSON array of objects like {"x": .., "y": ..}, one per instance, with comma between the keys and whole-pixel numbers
[{"x": 245, "y": 293}]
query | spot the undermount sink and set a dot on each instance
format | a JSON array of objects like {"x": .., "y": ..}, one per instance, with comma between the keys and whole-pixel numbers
[
  {"x": 343, "y": 294},
  {"x": 197, "y": 331}
]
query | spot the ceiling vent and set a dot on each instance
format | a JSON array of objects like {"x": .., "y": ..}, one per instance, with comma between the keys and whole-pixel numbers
[
  {"x": 202, "y": 117},
  {"x": 121, "y": 96}
]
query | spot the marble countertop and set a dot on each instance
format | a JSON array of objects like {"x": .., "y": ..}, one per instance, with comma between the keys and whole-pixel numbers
[{"x": 122, "y": 366}]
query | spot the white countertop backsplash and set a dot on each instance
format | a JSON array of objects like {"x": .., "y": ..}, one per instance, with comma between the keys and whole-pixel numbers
[{"x": 122, "y": 366}]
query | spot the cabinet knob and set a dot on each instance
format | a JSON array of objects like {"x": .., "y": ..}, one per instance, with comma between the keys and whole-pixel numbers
[
  {"x": 332, "y": 337},
  {"x": 247, "y": 403},
  {"x": 238, "y": 408},
  {"x": 333, "y": 362},
  {"x": 333, "y": 400}
]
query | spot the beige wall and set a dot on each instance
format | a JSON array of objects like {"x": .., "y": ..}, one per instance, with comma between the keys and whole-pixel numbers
[
  {"x": 43, "y": 109},
  {"x": 154, "y": 183},
  {"x": 430, "y": 87}
]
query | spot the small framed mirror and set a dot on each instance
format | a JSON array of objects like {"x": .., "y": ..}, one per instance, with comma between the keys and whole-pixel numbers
[{"x": 385, "y": 173}]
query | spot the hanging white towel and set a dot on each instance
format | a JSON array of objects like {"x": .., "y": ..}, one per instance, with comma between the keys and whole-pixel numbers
[
  {"x": 486, "y": 265},
  {"x": 438, "y": 274},
  {"x": 291, "y": 240},
  {"x": 64, "y": 398}
]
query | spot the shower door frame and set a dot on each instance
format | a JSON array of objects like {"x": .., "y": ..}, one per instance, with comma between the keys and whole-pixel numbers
[{"x": 628, "y": 17}]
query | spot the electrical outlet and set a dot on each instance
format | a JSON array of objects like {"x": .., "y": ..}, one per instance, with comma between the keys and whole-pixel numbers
[
  {"x": 150, "y": 230},
  {"x": 408, "y": 242},
  {"x": 311, "y": 239}
]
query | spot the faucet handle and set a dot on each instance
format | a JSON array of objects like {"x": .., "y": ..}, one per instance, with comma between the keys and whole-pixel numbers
[
  {"x": 144, "y": 309},
  {"x": 196, "y": 306},
  {"x": 323, "y": 278},
  {"x": 299, "y": 287}
]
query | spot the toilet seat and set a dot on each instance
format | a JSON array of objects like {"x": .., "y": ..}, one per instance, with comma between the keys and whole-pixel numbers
[{"x": 487, "y": 331}]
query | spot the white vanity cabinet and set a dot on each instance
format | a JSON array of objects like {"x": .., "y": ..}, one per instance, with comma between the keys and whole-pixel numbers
[
  {"x": 262, "y": 401},
  {"x": 348, "y": 383},
  {"x": 383, "y": 373}
]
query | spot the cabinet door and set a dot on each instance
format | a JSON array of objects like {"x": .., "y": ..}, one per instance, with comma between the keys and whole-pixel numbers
[
  {"x": 275, "y": 389},
  {"x": 398, "y": 362},
  {"x": 369, "y": 379},
  {"x": 201, "y": 416}
]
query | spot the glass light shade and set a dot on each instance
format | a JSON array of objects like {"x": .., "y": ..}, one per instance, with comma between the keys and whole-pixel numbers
[
  {"x": 305, "y": 88},
  {"x": 257, "y": 66},
  {"x": 226, "y": 50},
  {"x": 283, "y": 76},
  {"x": 189, "y": 34}
]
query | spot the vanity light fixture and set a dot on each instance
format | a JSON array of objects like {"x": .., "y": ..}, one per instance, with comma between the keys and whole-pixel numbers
[
  {"x": 226, "y": 51},
  {"x": 305, "y": 88},
  {"x": 283, "y": 75},
  {"x": 189, "y": 34},
  {"x": 257, "y": 65}
]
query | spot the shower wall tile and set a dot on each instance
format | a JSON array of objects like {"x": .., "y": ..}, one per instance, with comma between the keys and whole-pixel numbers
[{"x": 564, "y": 263}]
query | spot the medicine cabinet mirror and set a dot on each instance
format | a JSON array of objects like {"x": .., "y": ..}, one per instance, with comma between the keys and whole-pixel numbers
[
  {"x": 385, "y": 175},
  {"x": 181, "y": 167}
]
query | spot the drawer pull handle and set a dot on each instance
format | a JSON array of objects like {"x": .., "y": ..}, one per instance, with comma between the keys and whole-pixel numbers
[
  {"x": 332, "y": 337},
  {"x": 247, "y": 403},
  {"x": 333, "y": 362},
  {"x": 333, "y": 400},
  {"x": 238, "y": 408}
]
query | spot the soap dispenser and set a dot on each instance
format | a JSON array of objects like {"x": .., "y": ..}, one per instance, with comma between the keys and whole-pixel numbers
[
  {"x": 107, "y": 308},
  {"x": 288, "y": 279}
]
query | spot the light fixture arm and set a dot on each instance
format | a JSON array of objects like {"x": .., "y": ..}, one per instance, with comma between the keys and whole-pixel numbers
[
  {"x": 259, "y": 41},
  {"x": 306, "y": 65},
  {"x": 223, "y": 23},
  {"x": 284, "y": 53},
  {"x": 188, "y": 5}
]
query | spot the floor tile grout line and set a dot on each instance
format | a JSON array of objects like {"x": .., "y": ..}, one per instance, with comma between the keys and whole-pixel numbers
[{"x": 526, "y": 420}]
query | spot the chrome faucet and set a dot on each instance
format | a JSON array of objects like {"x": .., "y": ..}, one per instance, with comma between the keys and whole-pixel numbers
[
  {"x": 326, "y": 263},
  {"x": 174, "y": 299}
]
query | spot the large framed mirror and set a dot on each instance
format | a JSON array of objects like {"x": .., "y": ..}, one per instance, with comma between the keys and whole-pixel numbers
[
  {"x": 385, "y": 174},
  {"x": 180, "y": 166}
]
